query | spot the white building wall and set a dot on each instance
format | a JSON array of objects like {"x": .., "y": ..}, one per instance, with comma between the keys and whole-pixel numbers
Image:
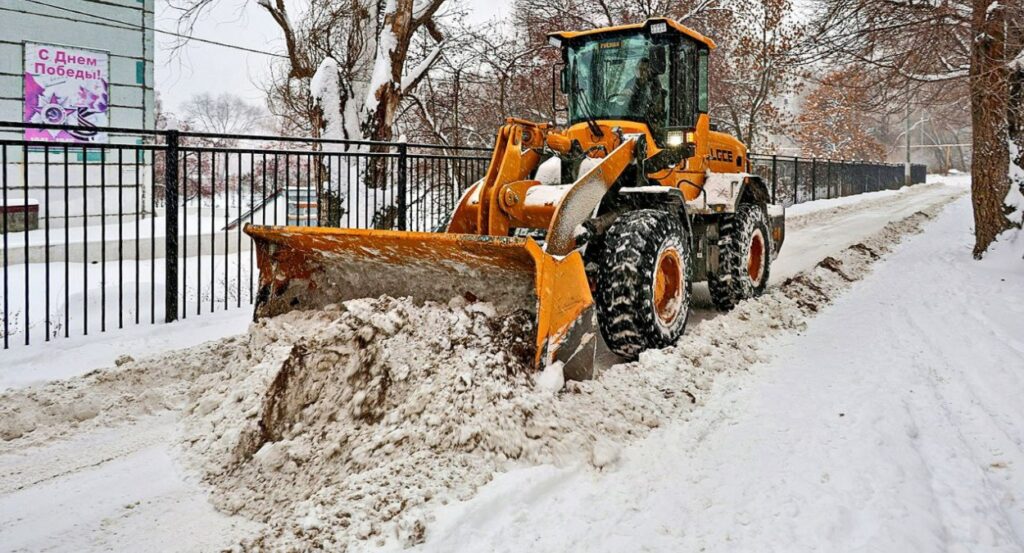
[{"x": 124, "y": 29}]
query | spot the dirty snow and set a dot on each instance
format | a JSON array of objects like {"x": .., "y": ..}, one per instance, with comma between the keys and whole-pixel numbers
[{"x": 343, "y": 423}]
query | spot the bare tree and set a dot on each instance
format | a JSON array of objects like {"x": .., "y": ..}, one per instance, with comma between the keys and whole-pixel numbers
[
  {"x": 222, "y": 114},
  {"x": 589, "y": 14},
  {"x": 359, "y": 52},
  {"x": 913, "y": 45},
  {"x": 360, "y": 85},
  {"x": 751, "y": 71},
  {"x": 832, "y": 123},
  {"x": 943, "y": 128}
]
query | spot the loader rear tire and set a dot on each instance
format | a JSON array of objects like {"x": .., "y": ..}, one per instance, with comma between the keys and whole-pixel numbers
[
  {"x": 644, "y": 293},
  {"x": 744, "y": 259}
]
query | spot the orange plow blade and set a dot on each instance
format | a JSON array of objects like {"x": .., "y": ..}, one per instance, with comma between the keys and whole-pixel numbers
[{"x": 310, "y": 267}]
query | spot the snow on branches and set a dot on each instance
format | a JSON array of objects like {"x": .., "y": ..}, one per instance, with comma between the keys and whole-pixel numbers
[{"x": 359, "y": 98}]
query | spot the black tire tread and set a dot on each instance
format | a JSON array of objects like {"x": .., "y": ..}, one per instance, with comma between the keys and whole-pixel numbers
[
  {"x": 630, "y": 249},
  {"x": 730, "y": 284}
]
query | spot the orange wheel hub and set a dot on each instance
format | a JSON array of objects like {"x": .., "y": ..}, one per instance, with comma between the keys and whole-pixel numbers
[
  {"x": 755, "y": 259},
  {"x": 669, "y": 286}
]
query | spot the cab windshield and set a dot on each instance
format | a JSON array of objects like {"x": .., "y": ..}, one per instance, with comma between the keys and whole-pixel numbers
[{"x": 622, "y": 77}]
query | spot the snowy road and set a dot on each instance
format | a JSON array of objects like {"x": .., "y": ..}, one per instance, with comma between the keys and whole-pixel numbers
[
  {"x": 894, "y": 423},
  {"x": 768, "y": 459},
  {"x": 817, "y": 229}
]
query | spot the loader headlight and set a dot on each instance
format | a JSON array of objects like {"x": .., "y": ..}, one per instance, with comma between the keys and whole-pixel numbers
[
  {"x": 675, "y": 139},
  {"x": 658, "y": 28},
  {"x": 555, "y": 41}
]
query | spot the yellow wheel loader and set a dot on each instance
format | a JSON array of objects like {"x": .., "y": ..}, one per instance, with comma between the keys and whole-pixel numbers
[{"x": 599, "y": 227}]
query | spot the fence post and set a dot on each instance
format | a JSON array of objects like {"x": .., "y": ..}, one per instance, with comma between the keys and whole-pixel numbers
[
  {"x": 775, "y": 179},
  {"x": 828, "y": 179},
  {"x": 814, "y": 178},
  {"x": 171, "y": 228},
  {"x": 796, "y": 180},
  {"x": 403, "y": 159}
]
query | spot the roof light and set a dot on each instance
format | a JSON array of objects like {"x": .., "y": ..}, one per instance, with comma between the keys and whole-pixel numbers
[
  {"x": 658, "y": 28},
  {"x": 555, "y": 41}
]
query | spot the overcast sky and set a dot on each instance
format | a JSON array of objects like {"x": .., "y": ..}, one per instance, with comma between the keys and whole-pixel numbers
[{"x": 201, "y": 67}]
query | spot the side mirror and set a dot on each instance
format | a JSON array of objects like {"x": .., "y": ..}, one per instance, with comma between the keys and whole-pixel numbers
[{"x": 562, "y": 75}]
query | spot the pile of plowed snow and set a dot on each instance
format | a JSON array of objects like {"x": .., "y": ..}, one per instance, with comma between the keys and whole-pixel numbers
[
  {"x": 350, "y": 424},
  {"x": 345, "y": 421},
  {"x": 344, "y": 424}
]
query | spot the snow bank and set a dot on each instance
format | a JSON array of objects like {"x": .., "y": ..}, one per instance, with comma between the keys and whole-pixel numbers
[
  {"x": 342, "y": 423},
  {"x": 112, "y": 396}
]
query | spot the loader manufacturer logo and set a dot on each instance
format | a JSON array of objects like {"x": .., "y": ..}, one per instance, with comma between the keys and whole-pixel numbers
[
  {"x": 723, "y": 155},
  {"x": 615, "y": 44}
]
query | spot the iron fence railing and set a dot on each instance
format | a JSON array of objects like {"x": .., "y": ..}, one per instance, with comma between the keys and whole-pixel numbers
[
  {"x": 793, "y": 180},
  {"x": 146, "y": 228}
]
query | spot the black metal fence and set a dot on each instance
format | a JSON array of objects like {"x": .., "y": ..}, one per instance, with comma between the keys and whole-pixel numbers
[
  {"x": 794, "y": 180},
  {"x": 147, "y": 227}
]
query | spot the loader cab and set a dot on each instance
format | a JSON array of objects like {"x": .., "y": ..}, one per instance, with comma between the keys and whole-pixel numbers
[{"x": 654, "y": 73}]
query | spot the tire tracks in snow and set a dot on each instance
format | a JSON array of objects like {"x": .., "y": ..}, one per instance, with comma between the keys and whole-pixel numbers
[{"x": 82, "y": 452}]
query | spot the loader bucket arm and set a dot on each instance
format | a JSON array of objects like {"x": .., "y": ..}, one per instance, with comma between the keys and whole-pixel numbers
[
  {"x": 512, "y": 160},
  {"x": 585, "y": 196}
]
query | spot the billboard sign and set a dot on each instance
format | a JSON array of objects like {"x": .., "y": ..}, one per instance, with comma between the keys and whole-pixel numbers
[{"x": 66, "y": 86}]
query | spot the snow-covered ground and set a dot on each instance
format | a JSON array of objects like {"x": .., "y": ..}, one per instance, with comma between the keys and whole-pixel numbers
[
  {"x": 69, "y": 357},
  {"x": 892, "y": 423},
  {"x": 817, "y": 229},
  {"x": 112, "y": 489},
  {"x": 90, "y": 298}
]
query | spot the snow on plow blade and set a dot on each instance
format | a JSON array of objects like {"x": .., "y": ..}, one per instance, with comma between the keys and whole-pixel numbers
[{"x": 310, "y": 267}]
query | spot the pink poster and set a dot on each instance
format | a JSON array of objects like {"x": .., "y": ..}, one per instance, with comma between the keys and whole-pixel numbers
[{"x": 66, "y": 86}]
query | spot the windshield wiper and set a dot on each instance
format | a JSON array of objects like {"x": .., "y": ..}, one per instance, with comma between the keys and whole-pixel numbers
[{"x": 588, "y": 111}]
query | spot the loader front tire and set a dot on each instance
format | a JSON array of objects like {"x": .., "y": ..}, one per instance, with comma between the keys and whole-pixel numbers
[
  {"x": 644, "y": 293},
  {"x": 744, "y": 259}
]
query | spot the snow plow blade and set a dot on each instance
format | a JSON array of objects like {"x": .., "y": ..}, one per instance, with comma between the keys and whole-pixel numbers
[{"x": 310, "y": 267}]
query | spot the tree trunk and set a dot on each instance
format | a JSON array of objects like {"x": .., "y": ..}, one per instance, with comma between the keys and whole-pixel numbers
[
  {"x": 990, "y": 93},
  {"x": 1016, "y": 113}
]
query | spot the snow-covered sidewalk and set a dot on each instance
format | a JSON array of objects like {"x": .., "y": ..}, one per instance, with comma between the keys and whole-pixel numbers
[{"x": 894, "y": 423}]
